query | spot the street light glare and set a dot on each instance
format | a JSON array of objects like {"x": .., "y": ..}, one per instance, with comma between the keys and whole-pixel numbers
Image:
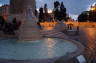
[{"x": 92, "y": 7}]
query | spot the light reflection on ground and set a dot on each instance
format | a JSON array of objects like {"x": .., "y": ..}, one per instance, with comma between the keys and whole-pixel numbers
[{"x": 90, "y": 34}]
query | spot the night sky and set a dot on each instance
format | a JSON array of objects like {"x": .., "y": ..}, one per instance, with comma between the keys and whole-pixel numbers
[{"x": 74, "y": 7}]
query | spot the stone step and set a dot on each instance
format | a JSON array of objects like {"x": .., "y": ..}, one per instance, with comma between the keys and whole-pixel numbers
[
  {"x": 54, "y": 33},
  {"x": 49, "y": 32}
]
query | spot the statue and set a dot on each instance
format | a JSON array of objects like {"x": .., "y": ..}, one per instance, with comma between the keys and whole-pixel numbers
[{"x": 29, "y": 14}]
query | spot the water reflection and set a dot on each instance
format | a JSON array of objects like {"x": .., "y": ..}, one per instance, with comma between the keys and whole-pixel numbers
[{"x": 50, "y": 43}]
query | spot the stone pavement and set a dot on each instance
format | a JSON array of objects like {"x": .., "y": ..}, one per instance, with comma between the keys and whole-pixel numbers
[{"x": 87, "y": 36}]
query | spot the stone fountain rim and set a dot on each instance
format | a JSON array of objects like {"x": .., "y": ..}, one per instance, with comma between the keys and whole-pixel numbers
[{"x": 78, "y": 52}]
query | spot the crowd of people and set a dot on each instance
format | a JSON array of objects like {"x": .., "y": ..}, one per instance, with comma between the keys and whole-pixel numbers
[{"x": 9, "y": 27}]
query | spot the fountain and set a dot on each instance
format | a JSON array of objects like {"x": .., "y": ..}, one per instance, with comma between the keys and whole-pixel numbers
[
  {"x": 31, "y": 47},
  {"x": 29, "y": 29}
]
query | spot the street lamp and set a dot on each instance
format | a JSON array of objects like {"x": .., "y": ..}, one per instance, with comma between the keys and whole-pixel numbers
[{"x": 93, "y": 7}]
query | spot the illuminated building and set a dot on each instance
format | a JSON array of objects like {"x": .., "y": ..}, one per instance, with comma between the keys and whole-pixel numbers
[{"x": 4, "y": 11}]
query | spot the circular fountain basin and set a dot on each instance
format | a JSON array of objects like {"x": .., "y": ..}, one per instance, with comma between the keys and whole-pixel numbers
[{"x": 44, "y": 50}]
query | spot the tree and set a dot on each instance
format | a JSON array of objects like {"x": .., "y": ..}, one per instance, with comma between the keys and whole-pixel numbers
[
  {"x": 82, "y": 18},
  {"x": 87, "y": 16},
  {"x": 60, "y": 11},
  {"x": 46, "y": 14},
  {"x": 45, "y": 9},
  {"x": 56, "y": 4},
  {"x": 92, "y": 16},
  {"x": 56, "y": 10},
  {"x": 41, "y": 15},
  {"x": 63, "y": 14}
]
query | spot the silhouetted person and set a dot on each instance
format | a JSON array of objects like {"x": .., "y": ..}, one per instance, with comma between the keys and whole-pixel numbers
[
  {"x": 38, "y": 23},
  {"x": 14, "y": 23},
  {"x": 41, "y": 15},
  {"x": 70, "y": 26},
  {"x": 8, "y": 29},
  {"x": 77, "y": 31}
]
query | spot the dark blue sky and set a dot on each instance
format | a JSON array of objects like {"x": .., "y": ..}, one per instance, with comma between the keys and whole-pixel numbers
[{"x": 74, "y": 7}]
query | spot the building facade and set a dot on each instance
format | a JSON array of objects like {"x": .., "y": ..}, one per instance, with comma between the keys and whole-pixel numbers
[
  {"x": 4, "y": 11},
  {"x": 19, "y": 6}
]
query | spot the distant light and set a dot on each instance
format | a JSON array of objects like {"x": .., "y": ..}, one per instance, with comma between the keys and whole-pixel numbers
[
  {"x": 92, "y": 9},
  {"x": 89, "y": 7},
  {"x": 37, "y": 9},
  {"x": 49, "y": 11}
]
